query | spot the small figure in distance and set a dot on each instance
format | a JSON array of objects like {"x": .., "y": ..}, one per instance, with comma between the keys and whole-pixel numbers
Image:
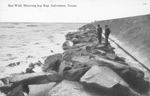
[
  {"x": 107, "y": 32},
  {"x": 30, "y": 69},
  {"x": 99, "y": 33}
]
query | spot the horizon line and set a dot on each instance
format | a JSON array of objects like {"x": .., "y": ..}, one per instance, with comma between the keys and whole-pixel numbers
[
  {"x": 42, "y": 22},
  {"x": 75, "y": 22}
]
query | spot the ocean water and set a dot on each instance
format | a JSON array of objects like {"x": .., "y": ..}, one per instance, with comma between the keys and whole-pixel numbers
[{"x": 30, "y": 42}]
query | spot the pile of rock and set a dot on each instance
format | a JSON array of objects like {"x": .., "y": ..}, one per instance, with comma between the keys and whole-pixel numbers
[{"x": 85, "y": 68}]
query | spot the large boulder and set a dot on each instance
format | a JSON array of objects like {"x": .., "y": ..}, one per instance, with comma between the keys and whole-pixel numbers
[
  {"x": 86, "y": 39},
  {"x": 52, "y": 62},
  {"x": 5, "y": 81},
  {"x": 27, "y": 76},
  {"x": 18, "y": 91},
  {"x": 103, "y": 76},
  {"x": 110, "y": 63},
  {"x": 40, "y": 89},
  {"x": 107, "y": 49},
  {"x": 25, "y": 81},
  {"x": 99, "y": 52},
  {"x": 64, "y": 66},
  {"x": 81, "y": 59},
  {"x": 69, "y": 54},
  {"x": 37, "y": 78},
  {"x": 70, "y": 35},
  {"x": 77, "y": 65},
  {"x": 67, "y": 44},
  {"x": 80, "y": 44},
  {"x": 106, "y": 81},
  {"x": 111, "y": 56},
  {"x": 76, "y": 41},
  {"x": 75, "y": 74},
  {"x": 69, "y": 88},
  {"x": 1, "y": 83}
]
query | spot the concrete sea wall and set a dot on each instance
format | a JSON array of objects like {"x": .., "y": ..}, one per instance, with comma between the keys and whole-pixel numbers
[{"x": 133, "y": 34}]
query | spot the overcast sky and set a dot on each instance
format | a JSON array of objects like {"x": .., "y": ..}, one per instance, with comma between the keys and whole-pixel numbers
[{"x": 85, "y": 10}]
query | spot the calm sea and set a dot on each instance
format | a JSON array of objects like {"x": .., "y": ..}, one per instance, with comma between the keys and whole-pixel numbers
[{"x": 21, "y": 41}]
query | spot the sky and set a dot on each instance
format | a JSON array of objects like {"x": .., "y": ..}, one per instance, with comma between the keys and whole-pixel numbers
[{"x": 84, "y": 11}]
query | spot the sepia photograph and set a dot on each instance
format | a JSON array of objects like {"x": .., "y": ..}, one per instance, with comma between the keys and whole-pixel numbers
[{"x": 74, "y": 47}]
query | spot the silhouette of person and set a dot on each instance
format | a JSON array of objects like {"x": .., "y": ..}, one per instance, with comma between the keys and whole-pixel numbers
[
  {"x": 99, "y": 33},
  {"x": 107, "y": 32}
]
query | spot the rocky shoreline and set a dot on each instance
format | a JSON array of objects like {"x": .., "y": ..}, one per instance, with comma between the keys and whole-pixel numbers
[{"x": 85, "y": 68}]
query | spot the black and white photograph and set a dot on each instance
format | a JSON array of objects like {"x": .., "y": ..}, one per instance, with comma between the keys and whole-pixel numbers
[{"x": 74, "y": 47}]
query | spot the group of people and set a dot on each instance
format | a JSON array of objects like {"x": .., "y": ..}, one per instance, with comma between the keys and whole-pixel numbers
[{"x": 99, "y": 34}]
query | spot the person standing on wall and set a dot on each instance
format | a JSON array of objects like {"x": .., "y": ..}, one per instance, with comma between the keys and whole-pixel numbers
[
  {"x": 99, "y": 33},
  {"x": 107, "y": 32}
]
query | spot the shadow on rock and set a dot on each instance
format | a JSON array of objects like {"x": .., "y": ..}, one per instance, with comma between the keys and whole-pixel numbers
[
  {"x": 138, "y": 84},
  {"x": 135, "y": 78},
  {"x": 116, "y": 90}
]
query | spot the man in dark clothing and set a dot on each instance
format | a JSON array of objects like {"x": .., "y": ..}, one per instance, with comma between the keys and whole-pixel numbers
[
  {"x": 107, "y": 32},
  {"x": 99, "y": 33}
]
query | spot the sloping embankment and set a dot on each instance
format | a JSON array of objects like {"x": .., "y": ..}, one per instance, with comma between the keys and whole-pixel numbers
[{"x": 133, "y": 34}]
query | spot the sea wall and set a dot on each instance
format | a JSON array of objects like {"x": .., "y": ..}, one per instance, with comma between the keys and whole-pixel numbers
[
  {"x": 85, "y": 68},
  {"x": 132, "y": 34}
]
